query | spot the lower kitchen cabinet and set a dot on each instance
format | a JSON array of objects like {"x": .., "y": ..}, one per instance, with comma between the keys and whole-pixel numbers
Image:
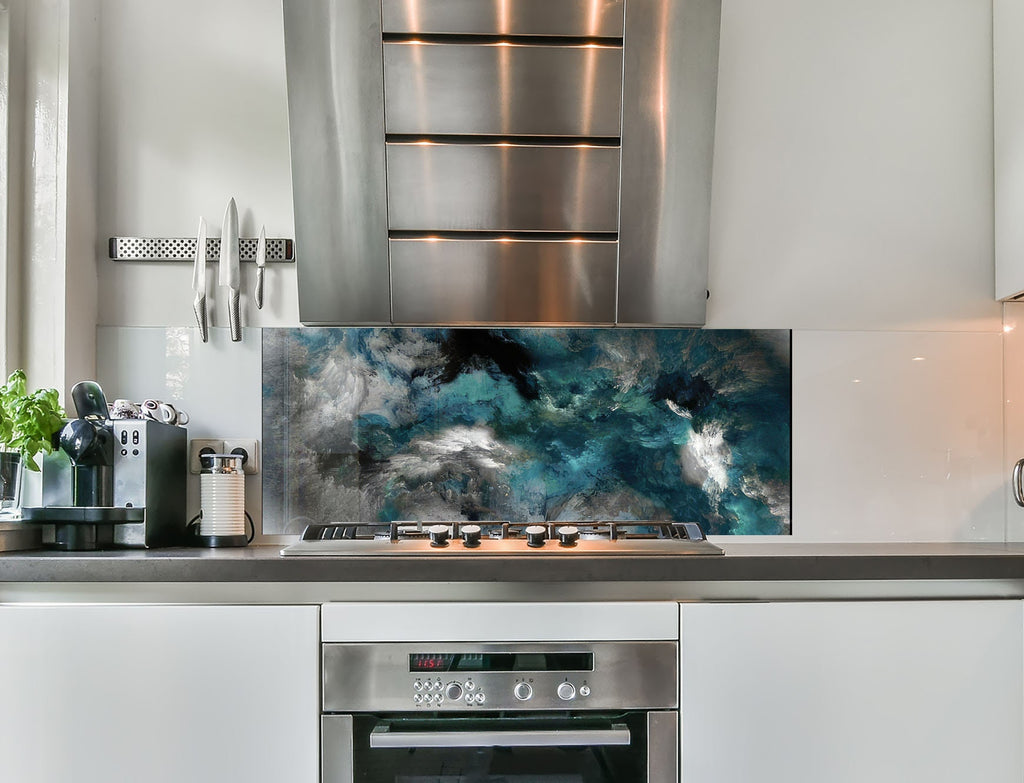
[
  {"x": 852, "y": 692},
  {"x": 161, "y": 694}
]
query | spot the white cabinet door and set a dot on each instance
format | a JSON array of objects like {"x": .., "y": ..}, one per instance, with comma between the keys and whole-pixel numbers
[
  {"x": 161, "y": 694},
  {"x": 881, "y": 692},
  {"x": 1008, "y": 121}
]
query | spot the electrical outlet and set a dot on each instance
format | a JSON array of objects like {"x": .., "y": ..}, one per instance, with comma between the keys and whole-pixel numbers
[
  {"x": 199, "y": 446},
  {"x": 249, "y": 448}
]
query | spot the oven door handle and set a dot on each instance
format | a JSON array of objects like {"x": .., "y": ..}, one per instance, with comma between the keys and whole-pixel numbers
[{"x": 383, "y": 737}]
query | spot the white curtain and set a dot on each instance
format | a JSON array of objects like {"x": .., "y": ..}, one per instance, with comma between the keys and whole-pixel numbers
[
  {"x": 48, "y": 247},
  {"x": 5, "y": 113}
]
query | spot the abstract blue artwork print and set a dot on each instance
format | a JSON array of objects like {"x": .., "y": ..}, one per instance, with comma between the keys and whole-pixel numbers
[{"x": 527, "y": 425}]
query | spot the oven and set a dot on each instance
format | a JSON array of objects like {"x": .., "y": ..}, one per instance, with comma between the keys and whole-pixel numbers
[{"x": 518, "y": 711}]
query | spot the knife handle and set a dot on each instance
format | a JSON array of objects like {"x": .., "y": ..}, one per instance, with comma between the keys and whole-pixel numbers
[
  {"x": 258, "y": 294},
  {"x": 234, "y": 317},
  {"x": 199, "y": 306}
]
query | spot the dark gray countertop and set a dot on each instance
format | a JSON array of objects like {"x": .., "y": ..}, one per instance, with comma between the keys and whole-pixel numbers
[{"x": 743, "y": 562}]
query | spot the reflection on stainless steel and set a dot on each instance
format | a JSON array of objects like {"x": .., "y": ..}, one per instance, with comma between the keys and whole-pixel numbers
[
  {"x": 336, "y": 121},
  {"x": 444, "y": 88},
  {"x": 504, "y": 539},
  {"x": 336, "y": 743},
  {"x": 626, "y": 675},
  {"x": 663, "y": 750},
  {"x": 586, "y": 547},
  {"x": 502, "y": 187},
  {"x": 616, "y": 734},
  {"x": 494, "y": 281},
  {"x": 476, "y": 704},
  {"x": 504, "y": 118},
  {"x": 668, "y": 129},
  {"x": 594, "y": 18}
]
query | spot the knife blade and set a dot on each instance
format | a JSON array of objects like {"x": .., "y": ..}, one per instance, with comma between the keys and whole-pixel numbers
[
  {"x": 261, "y": 262},
  {"x": 229, "y": 273},
  {"x": 199, "y": 282}
]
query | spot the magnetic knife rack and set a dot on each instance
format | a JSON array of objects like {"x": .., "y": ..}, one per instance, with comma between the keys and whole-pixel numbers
[{"x": 279, "y": 251}]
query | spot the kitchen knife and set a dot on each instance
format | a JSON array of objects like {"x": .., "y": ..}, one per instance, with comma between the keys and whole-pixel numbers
[
  {"x": 261, "y": 262},
  {"x": 199, "y": 281},
  {"x": 229, "y": 274}
]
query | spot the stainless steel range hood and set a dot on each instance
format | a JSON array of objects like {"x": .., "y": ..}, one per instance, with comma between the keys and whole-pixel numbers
[{"x": 502, "y": 161}]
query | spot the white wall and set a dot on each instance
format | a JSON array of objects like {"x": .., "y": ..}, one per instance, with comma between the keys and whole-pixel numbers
[
  {"x": 194, "y": 112},
  {"x": 852, "y": 203}
]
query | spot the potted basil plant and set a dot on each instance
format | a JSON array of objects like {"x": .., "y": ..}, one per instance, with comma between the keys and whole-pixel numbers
[{"x": 28, "y": 423}]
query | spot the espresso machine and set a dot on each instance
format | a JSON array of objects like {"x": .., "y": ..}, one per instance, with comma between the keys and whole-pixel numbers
[{"x": 111, "y": 483}]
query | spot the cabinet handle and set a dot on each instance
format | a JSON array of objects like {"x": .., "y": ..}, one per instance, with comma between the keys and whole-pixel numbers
[
  {"x": 1018, "y": 488},
  {"x": 382, "y": 737}
]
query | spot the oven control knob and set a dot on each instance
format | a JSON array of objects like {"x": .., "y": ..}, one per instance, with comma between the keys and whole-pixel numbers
[
  {"x": 471, "y": 535},
  {"x": 584, "y": 690},
  {"x": 453, "y": 691},
  {"x": 535, "y": 535},
  {"x": 566, "y": 691},
  {"x": 438, "y": 535},
  {"x": 568, "y": 535},
  {"x": 522, "y": 691}
]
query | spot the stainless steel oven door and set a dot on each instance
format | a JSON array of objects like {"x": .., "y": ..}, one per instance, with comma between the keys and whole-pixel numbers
[{"x": 631, "y": 747}]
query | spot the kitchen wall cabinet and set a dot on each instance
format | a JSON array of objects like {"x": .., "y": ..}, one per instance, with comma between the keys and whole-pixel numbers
[
  {"x": 164, "y": 694},
  {"x": 1008, "y": 135},
  {"x": 859, "y": 691}
]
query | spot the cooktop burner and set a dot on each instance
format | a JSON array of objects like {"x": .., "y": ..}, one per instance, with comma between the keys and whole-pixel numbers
[{"x": 504, "y": 538}]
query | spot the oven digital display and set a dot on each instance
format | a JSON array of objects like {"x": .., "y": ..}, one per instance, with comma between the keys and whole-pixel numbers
[{"x": 502, "y": 662}]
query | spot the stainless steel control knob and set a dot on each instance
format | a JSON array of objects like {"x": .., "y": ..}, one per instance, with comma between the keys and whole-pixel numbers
[
  {"x": 568, "y": 535},
  {"x": 522, "y": 691},
  {"x": 453, "y": 692},
  {"x": 536, "y": 535},
  {"x": 471, "y": 535},
  {"x": 566, "y": 691},
  {"x": 438, "y": 535}
]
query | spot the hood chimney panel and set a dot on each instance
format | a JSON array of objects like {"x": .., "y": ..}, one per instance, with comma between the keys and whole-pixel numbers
[
  {"x": 336, "y": 128},
  {"x": 668, "y": 137},
  {"x": 502, "y": 161}
]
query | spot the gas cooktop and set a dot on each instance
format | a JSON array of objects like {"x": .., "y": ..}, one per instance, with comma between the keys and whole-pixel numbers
[{"x": 467, "y": 539}]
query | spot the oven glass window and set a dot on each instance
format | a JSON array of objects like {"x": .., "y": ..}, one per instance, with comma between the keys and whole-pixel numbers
[{"x": 482, "y": 759}]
